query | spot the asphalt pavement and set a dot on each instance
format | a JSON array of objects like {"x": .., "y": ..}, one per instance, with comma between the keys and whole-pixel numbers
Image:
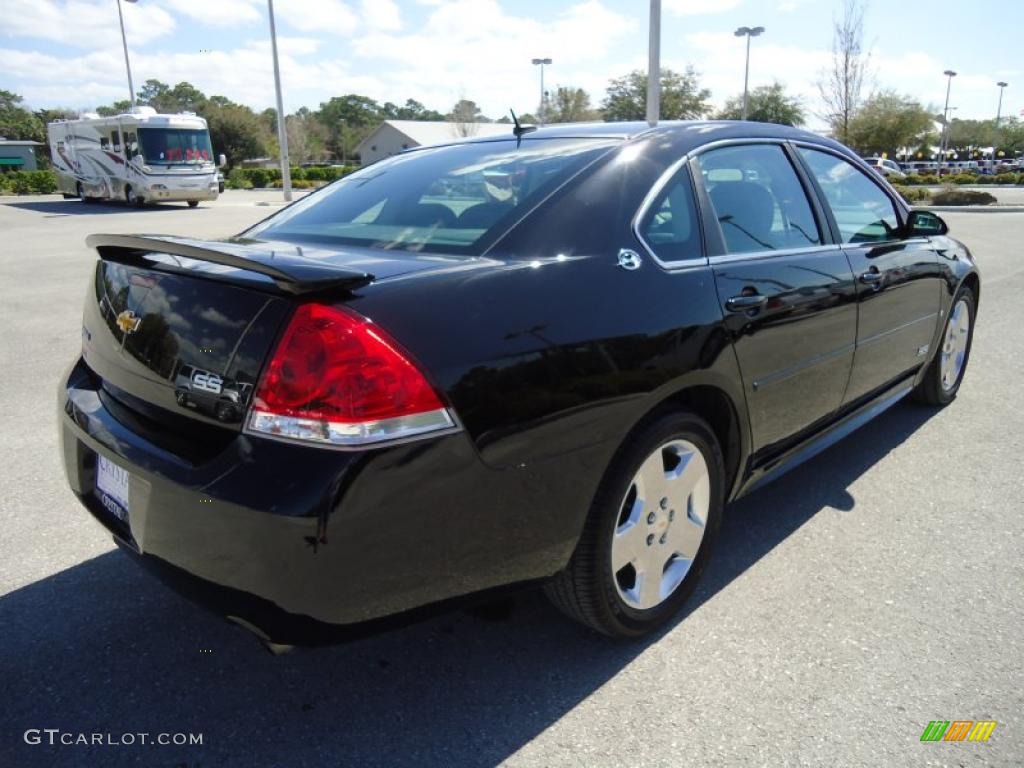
[{"x": 872, "y": 590}]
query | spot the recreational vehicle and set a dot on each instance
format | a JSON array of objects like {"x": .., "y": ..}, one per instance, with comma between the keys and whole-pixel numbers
[{"x": 140, "y": 158}]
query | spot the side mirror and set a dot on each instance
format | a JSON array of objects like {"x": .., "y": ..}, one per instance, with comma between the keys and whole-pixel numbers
[
  {"x": 221, "y": 160},
  {"x": 925, "y": 224}
]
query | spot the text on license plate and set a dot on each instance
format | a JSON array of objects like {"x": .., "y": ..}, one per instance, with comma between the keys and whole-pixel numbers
[{"x": 112, "y": 480}]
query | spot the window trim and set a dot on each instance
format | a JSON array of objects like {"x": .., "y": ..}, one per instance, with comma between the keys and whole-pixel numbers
[
  {"x": 656, "y": 190},
  {"x": 652, "y": 195},
  {"x": 902, "y": 211},
  {"x": 811, "y": 192}
]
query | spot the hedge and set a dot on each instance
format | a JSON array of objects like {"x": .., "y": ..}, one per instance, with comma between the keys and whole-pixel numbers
[
  {"x": 248, "y": 178},
  {"x": 962, "y": 197},
  {"x": 963, "y": 178},
  {"x": 28, "y": 183}
]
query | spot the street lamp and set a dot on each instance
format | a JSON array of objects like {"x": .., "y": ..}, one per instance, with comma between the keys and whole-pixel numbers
[
  {"x": 543, "y": 101},
  {"x": 999, "y": 114},
  {"x": 282, "y": 132},
  {"x": 654, "y": 64},
  {"x": 950, "y": 74},
  {"x": 747, "y": 32},
  {"x": 124, "y": 42}
]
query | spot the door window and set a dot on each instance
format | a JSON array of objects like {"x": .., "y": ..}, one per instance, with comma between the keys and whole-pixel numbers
[
  {"x": 758, "y": 199},
  {"x": 670, "y": 225},
  {"x": 863, "y": 212}
]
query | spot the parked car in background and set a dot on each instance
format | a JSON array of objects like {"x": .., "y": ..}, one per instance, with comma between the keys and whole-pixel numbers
[
  {"x": 886, "y": 167},
  {"x": 550, "y": 358}
]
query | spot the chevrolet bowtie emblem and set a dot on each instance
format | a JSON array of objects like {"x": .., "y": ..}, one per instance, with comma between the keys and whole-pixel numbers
[{"x": 128, "y": 321}]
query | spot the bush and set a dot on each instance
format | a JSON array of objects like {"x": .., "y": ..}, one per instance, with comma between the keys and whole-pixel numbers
[
  {"x": 950, "y": 196},
  {"x": 237, "y": 179},
  {"x": 912, "y": 194},
  {"x": 926, "y": 178},
  {"x": 28, "y": 183},
  {"x": 1008, "y": 178}
]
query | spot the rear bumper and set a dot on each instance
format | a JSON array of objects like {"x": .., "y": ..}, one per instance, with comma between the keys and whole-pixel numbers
[{"x": 291, "y": 538}]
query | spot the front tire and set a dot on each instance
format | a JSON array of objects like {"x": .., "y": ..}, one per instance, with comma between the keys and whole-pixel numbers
[
  {"x": 193, "y": 203},
  {"x": 132, "y": 198},
  {"x": 942, "y": 380},
  {"x": 649, "y": 532}
]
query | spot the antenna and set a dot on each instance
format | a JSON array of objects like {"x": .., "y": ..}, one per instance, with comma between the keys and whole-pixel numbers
[{"x": 518, "y": 130}]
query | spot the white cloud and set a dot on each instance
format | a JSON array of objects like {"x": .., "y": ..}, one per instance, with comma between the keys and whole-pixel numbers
[
  {"x": 700, "y": 7},
  {"x": 486, "y": 54},
  {"x": 327, "y": 17},
  {"x": 220, "y": 13},
  {"x": 84, "y": 24},
  {"x": 382, "y": 15}
]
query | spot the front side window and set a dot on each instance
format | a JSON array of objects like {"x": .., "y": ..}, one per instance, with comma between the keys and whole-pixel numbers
[
  {"x": 670, "y": 226},
  {"x": 758, "y": 199},
  {"x": 115, "y": 139},
  {"x": 452, "y": 199},
  {"x": 175, "y": 146},
  {"x": 863, "y": 212}
]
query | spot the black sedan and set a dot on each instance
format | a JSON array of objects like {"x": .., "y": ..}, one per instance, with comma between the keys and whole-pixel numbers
[{"x": 543, "y": 358}]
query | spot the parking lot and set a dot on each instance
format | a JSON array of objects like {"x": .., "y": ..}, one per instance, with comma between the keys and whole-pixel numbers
[{"x": 872, "y": 590}]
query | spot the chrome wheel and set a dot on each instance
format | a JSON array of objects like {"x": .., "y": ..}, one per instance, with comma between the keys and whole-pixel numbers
[
  {"x": 661, "y": 524},
  {"x": 954, "y": 345}
]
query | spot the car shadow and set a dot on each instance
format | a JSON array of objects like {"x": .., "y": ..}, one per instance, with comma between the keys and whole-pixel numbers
[
  {"x": 103, "y": 648},
  {"x": 75, "y": 207}
]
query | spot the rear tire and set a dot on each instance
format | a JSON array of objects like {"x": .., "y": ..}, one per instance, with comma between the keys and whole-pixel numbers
[
  {"x": 193, "y": 203},
  {"x": 657, "y": 528},
  {"x": 942, "y": 380}
]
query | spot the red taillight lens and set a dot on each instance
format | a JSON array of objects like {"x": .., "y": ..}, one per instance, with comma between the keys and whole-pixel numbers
[{"x": 337, "y": 378}]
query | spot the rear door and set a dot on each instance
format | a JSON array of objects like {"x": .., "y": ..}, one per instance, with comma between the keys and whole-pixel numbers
[
  {"x": 786, "y": 290},
  {"x": 898, "y": 278}
]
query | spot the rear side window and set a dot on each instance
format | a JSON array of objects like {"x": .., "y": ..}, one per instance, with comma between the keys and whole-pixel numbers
[
  {"x": 863, "y": 212},
  {"x": 670, "y": 226},
  {"x": 758, "y": 199},
  {"x": 453, "y": 199}
]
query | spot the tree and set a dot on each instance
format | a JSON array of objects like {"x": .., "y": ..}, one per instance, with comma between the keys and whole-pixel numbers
[
  {"x": 411, "y": 110},
  {"x": 682, "y": 98},
  {"x": 888, "y": 122},
  {"x": 117, "y": 108},
  {"x": 767, "y": 104},
  {"x": 840, "y": 86},
  {"x": 348, "y": 120},
  {"x": 235, "y": 130},
  {"x": 464, "y": 116},
  {"x": 16, "y": 121},
  {"x": 570, "y": 105},
  {"x": 307, "y": 137}
]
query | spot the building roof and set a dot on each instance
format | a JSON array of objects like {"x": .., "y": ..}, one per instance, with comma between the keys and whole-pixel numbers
[
  {"x": 429, "y": 132},
  {"x": 19, "y": 142}
]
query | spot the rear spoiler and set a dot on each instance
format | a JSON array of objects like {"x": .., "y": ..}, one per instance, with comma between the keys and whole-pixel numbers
[{"x": 292, "y": 273}]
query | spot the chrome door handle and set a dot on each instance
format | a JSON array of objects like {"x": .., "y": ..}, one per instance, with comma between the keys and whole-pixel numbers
[
  {"x": 745, "y": 303},
  {"x": 871, "y": 278}
]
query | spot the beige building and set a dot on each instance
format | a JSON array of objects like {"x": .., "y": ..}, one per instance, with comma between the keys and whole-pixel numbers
[{"x": 393, "y": 136}]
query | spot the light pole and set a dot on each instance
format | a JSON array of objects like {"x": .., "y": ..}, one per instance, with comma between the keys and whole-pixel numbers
[
  {"x": 654, "y": 64},
  {"x": 124, "y": 42},
  {"x": 282, "y": 132},
  {"x": 999, "y": 114},
  {"x": 543, "y": 104},
  {"x": 950, "y": 74},
  {"x": 747, "y": 32}
]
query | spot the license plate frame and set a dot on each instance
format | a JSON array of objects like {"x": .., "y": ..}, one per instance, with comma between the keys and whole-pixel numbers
[{"x": 112, "y": 487}]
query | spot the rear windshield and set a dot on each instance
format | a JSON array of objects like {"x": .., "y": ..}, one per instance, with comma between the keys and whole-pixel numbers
[{"x": 454, "y": 199}]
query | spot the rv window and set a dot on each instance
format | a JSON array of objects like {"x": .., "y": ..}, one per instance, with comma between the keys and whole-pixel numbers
[
  {"x": 131, "y": 142},
  {"x": 104, "y": 142},
  {"x": 60, "y": 146},
  {"x": 115, "y": 139}
]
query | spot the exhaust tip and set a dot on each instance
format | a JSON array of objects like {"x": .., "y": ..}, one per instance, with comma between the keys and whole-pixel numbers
[{"x": 277, "y": 649}]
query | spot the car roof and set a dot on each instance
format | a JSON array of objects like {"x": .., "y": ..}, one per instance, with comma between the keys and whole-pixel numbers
[{"x": 687, "y": 134}]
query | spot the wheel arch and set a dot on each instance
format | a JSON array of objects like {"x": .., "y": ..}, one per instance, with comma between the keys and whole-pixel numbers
[{"x": 973, "y": 281}]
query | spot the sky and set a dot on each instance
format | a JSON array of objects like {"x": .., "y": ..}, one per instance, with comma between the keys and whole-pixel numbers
[{"x": 67, "y": 53}]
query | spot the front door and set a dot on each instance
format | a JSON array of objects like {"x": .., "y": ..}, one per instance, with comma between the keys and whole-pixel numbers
[
  {"x": 788, "y": 294},
  {"x": 898, "y": 278}
]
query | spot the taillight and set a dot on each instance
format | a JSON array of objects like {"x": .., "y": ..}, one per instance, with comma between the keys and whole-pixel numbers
[{"x": 338, "y": 379}]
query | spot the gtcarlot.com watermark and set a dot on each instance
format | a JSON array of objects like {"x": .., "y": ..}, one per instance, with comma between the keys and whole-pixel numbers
[{"x": 55, "y": 736}]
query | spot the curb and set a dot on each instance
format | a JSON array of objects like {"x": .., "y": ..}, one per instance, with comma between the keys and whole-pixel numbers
[{"x": 972, "y": 208}]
